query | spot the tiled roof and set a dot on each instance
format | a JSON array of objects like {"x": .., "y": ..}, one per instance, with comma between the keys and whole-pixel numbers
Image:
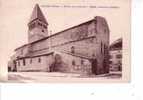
[{"x": 37, "y": 14}]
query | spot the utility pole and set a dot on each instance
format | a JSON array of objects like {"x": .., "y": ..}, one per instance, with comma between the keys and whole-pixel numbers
[{"x": 50, "y": 33}]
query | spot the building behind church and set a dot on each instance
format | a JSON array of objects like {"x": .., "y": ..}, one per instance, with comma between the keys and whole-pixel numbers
[
  {"x": 116, "y": 55},
  {"x": 83, "y": 48}
]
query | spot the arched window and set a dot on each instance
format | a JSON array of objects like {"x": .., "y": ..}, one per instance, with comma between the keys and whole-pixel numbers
[
  {"x": 39, "y": 60},
  {"x": 24, "y": 63},
  {"x": 72, "y": 49},
  {"x": 105, "y": 30},
  {"x": 73, "y": 62}
]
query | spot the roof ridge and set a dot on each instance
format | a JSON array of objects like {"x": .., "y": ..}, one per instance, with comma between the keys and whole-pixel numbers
[{"x": 77, "y": 55}]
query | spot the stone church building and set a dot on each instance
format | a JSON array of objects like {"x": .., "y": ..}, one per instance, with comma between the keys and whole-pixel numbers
[{"x": 80, "y": 49}]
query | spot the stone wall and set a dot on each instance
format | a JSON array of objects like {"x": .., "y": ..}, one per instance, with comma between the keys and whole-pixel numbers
[
  {"x": 73, "y": 63},
  {"x": 40, "y": 63}
]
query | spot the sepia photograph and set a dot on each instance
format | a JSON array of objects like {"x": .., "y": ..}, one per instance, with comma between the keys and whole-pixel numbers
[{"x": 52, "y": 41}]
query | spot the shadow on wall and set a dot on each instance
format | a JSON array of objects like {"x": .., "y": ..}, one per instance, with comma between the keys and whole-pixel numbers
[{"x": 58, "y": 65}]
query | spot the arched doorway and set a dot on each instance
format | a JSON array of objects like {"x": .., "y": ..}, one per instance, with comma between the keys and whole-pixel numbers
[
  {"x": 56, "y": 66},
  {"x": 94, "y": 66}
]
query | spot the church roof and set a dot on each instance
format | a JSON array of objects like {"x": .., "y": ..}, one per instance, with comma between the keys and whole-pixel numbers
[
  {"x": 35, "y": 55},
  {"x": 77, "y": 55},
  {"x": 37, "y": 14}
]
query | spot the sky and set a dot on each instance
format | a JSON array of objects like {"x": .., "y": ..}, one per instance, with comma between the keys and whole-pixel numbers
[{"x": 15, "y": 14}]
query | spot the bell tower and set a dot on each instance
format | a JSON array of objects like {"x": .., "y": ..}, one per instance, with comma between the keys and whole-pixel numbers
[{"x": 37, "y": 26}]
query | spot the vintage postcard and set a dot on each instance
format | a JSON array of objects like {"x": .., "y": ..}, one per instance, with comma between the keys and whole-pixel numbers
[{"x": 68, "y": 41}]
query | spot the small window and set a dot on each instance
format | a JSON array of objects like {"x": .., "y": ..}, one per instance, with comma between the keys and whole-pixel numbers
[
  {"x": 24, "y": 63},
  {"x": 31, "y": 61},
  {"x": 40, "y": 24},
  {"x": 93, "y": 54},
  {"x": 105, "y": 31},
  {"x": 45, "y": 26},
  {"x": 119, "y": 56},
  {"x": 73, "y": 63},
  {"x": 43, "y": 31},
  {"x": 82, "y": 61},
  {"x": 101, "y": 47},
  {"x": 72, "y": 49},
  {"x": 39, "y": 60}
]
